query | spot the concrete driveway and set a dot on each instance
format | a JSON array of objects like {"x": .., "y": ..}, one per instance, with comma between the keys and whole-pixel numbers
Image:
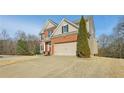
[{"x": 60, "y": 66}]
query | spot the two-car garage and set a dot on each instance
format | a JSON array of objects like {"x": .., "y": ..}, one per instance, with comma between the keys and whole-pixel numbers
[{"x": 65, "y": 49}]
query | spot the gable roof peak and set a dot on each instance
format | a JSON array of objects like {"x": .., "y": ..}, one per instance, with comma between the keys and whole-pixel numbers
[
  {"x": 51, "y": 21},
  {"x": 69, "y": 22},
  {"x": 45, "y": 25}
]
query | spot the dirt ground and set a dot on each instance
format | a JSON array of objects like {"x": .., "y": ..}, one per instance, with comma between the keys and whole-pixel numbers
[{"x": 60, "y": 67}]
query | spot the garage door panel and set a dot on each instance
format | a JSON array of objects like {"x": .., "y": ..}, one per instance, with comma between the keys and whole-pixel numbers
[{"x": 65, "y": 49}]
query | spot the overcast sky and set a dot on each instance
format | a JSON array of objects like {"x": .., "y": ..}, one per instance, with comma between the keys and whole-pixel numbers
[{"x": 33, "y": 24}]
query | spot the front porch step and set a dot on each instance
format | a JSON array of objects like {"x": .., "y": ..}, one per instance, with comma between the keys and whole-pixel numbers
[{"x": 46, "y": 54}]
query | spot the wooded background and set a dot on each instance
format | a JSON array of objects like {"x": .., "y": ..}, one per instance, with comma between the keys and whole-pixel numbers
[
  {"x": 113, "y": 45},
  {"x": 20, "y": 44}
]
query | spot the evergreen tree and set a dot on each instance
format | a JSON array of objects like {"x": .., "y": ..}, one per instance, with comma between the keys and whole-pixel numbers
[
  {"x": 83, "y": 49},
  {"x": 22, "y": 48},
  {"x": 37, "y": 49}
]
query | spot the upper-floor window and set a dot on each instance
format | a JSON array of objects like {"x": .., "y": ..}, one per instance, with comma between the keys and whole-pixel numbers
[
  {"x": 65, "y": 29},
  {"x": 49, "y": 33},
  {"x": 42, "y": 36}
]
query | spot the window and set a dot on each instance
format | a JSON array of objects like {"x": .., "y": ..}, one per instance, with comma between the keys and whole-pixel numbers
[
  {"x": 49, "y": 33},
  {"x": 65, "y": 29},
  {"x": 42, "y": 36},
  {"x": 42, "y": 47}
]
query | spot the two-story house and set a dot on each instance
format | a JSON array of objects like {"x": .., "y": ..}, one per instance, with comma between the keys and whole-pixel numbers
[{"x": 61, "y": 39}]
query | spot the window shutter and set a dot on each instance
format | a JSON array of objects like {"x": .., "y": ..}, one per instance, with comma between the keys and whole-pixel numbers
[
  {"x": 62, "y": 29},
  {"x": 67, "y": 28}
]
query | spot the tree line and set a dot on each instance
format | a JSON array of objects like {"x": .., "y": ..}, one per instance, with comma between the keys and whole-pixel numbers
[
  {"x": 113, "y": 45},
  {"x": 20, "y": 44}
]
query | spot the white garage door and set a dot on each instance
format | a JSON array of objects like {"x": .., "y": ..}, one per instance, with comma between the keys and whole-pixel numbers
[{"x": 65, "y": 49}]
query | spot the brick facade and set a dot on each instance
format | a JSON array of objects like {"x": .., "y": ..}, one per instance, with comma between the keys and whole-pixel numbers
[{"x": 64, "y": 39}]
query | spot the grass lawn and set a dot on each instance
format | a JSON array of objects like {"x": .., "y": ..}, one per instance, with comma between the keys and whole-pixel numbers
[{"x": 60, "y": 66}]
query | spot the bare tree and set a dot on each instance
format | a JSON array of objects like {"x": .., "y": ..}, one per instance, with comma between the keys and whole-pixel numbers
[
  {"x": 103, "y": 40},
  {"x": 20, "y": 35},
  {"x": 119, "y": 38},
  {"x": 113, "y": 45},
  {"x": 4, "y": 35},
  {"x": 33, "y": 43},
  {"x": 4, "y": 42},
  {"x": 7, "y": 44}
]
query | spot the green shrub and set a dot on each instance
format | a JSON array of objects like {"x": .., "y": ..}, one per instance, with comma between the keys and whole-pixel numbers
[
  {"x": 37, "y": 49},
  {"x": 22, "y": 48}
]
